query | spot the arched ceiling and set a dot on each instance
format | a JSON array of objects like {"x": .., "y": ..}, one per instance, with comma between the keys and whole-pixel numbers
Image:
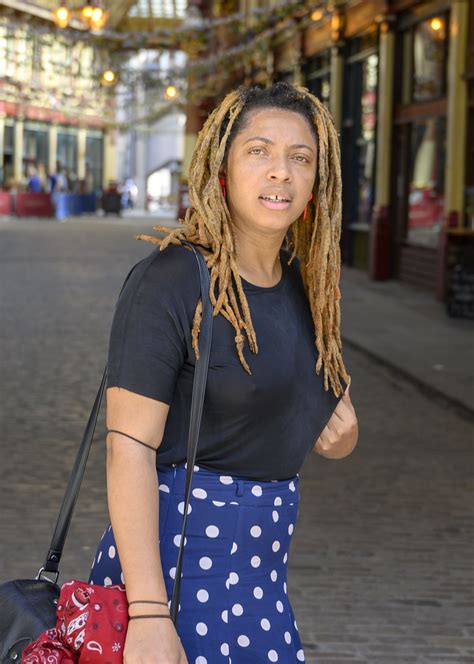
[{"x": 124, "y": 14}]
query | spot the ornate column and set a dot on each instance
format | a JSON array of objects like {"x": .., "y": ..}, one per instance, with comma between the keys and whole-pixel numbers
[
  {"x": 53, "y": 147},
  {"x": 81, "y": 153},
  {"x": 337, "y": 63},
  {"x": 110, "y": 157},
  {"x": 18, "y": 149}
]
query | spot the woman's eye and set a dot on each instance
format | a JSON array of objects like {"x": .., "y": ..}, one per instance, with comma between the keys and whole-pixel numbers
[
  {"x": 302, "y": 158},
  {"x": 256, "y": 151}
]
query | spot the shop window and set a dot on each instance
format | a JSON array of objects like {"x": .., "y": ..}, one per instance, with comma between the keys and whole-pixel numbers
[
  {"x": 367, "y": 137},
  {"x": 94, "y": 160},
  {"x": 317, "y": 76},
  {"x": 424, "y": 50},
  {"x": 67, "y": 155},
  {"x": 358, "y": 139},
  {"x": 35, "y": 147},
  {"x": 8, "y": 140},
  {"x": 429, "y": 59},
  {"x": 426, "y": 185}
]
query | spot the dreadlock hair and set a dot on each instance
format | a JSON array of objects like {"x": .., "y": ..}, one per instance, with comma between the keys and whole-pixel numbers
[{"x": 314, "y": 241}]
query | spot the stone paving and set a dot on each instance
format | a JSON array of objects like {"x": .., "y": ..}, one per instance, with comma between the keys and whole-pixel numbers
[{"x": 381, "y": 568}]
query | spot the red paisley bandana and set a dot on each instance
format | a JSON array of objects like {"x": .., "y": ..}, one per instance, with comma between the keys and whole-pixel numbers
[{"x": 91, "y": 626}]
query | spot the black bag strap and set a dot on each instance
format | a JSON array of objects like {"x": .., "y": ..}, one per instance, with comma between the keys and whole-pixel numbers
[{"x": 71, "y": 494}]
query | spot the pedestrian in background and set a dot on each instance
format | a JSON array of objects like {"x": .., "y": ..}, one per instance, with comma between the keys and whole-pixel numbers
[{"x": 265, "y": 191}]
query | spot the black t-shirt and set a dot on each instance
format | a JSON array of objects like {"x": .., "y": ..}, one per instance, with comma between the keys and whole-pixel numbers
[{"x": 259, "y": 426}]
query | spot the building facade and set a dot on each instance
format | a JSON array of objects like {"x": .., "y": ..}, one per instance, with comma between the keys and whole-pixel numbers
[
  {"x": 54, "y": 111},
  {"x": 398, "y": 79}
]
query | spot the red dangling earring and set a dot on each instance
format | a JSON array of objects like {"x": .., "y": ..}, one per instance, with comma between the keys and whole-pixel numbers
[
  {"x": 306, "y": 207},
  {"x": 224, "y": 192}
]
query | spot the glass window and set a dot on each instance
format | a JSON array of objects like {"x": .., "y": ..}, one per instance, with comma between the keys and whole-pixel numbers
[
  {"x": 426, "y": 186},
  {"x": 317, "y": 75},
  {"x": 94, "y": 160},
  {"x": 8, "y": 138},
  {"x": 67, "y": 152},
  {"x": 368, "y": 120},
  {"x": 429, "y": 58},
  {"x": 35, "y": 146}
]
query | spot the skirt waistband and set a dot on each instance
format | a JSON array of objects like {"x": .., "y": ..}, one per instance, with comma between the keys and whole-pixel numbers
[{"x": 228, "y": 489}]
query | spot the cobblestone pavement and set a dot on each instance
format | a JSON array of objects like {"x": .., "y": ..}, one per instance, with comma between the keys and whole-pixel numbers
[{"x": 381, "y": 566}]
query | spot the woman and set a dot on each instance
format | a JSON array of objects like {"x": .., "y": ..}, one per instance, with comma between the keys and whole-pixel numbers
[{"x": 265, "y": 192}]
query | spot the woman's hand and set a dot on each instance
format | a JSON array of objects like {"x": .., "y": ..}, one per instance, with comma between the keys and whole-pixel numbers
[
  {"x": 153, "y": 641},
  {"x": 339, "y": 437}
]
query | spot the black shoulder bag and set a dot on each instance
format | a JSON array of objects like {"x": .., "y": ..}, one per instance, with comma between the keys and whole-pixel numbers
[{"x": 28, "y": 606}]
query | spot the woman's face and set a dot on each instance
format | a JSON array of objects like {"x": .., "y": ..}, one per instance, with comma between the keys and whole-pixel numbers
[{"x": 270, "y": 170}]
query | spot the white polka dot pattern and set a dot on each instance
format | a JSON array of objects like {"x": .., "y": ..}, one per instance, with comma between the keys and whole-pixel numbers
[
  {"x": 205, "y": 562},
  {"x": 265, "y": 624},
  {"x": 226, "y": 479},
  {"x": 234, "y": 575},
  {"x": 202, "y": 595},
  {"x": 237, "y": 609},
  {"x": 201, "y": 629},
  {"x": 181, "y": 508},
  {"x": 212, "y": 531}
]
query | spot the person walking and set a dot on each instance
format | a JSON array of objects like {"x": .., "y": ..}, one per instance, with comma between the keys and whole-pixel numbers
[{"x": 265, "y": 192}]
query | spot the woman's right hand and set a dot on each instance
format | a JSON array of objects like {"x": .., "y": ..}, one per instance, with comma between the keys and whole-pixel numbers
[{"x": 153, "y": 641}]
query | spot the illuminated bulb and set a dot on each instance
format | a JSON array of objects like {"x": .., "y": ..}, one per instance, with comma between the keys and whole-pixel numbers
[
  {"x": 62, "y": 16},
  {"x": 98, "y": 18},
  {"x": 317, "y": 15},
  {"x": 108, "y": 77},
  {"x": 436, "y": 24},
  {"x": 171, "y": 92},
  {"x": 86, "y": 12}
]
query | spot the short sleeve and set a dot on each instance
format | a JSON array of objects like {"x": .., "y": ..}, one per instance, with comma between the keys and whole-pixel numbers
[{"x": 151, "y": 326}]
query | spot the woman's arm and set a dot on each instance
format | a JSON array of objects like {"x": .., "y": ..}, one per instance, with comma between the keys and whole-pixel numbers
[{"x": 132, "y": 489}]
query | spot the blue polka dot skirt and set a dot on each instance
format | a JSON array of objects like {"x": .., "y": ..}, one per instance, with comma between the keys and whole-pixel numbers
[{"x": 234, "y": 605}]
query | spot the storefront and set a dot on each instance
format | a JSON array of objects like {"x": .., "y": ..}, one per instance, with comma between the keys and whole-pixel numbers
[
  {"x": 35, "y": 147},
  {"x": 420, "y": 143},
  {"x": 358, "y": 144},
  {"x": 6, "y": 156},
  {"x": 94, "y": 159},
  {"x": 67, "y": 152},
  {"x": 317, "y": 75}
]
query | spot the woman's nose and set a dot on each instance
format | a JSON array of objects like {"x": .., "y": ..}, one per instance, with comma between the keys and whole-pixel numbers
[{"x": 279, "y": 170}]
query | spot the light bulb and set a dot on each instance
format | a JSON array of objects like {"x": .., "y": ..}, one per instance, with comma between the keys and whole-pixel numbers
[
  {"x": 171, "y": 92},
  {"x": 436, "y": 24}
]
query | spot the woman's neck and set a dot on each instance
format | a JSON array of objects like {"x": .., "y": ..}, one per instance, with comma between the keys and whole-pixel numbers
[{"x": 258, "y": 258}]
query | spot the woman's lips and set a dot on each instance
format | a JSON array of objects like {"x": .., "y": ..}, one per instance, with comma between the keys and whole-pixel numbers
[{"x": 275, "y": 205}]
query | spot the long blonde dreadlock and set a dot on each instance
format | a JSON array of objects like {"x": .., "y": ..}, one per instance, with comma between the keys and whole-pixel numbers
[{"x": 315, "y": 240}]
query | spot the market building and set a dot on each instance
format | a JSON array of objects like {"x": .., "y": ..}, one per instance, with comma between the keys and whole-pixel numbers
[{"x": 397, "y": 76}]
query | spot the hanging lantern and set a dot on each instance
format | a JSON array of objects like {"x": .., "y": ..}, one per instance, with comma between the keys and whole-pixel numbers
[
  {"x": 171, "y": 92},
  {"x": 99, "y": 16},
  {"x": 108, "y": 77},
  {"x": 86, "y": 12},
  {"x": 62, "y": 15}
]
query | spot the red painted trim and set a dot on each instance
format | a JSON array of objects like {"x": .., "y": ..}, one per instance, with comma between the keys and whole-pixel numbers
[{"x": 28, "y": 112}]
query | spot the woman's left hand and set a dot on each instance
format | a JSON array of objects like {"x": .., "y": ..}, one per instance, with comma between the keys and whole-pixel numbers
[{"x": 339, "y": 436}]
